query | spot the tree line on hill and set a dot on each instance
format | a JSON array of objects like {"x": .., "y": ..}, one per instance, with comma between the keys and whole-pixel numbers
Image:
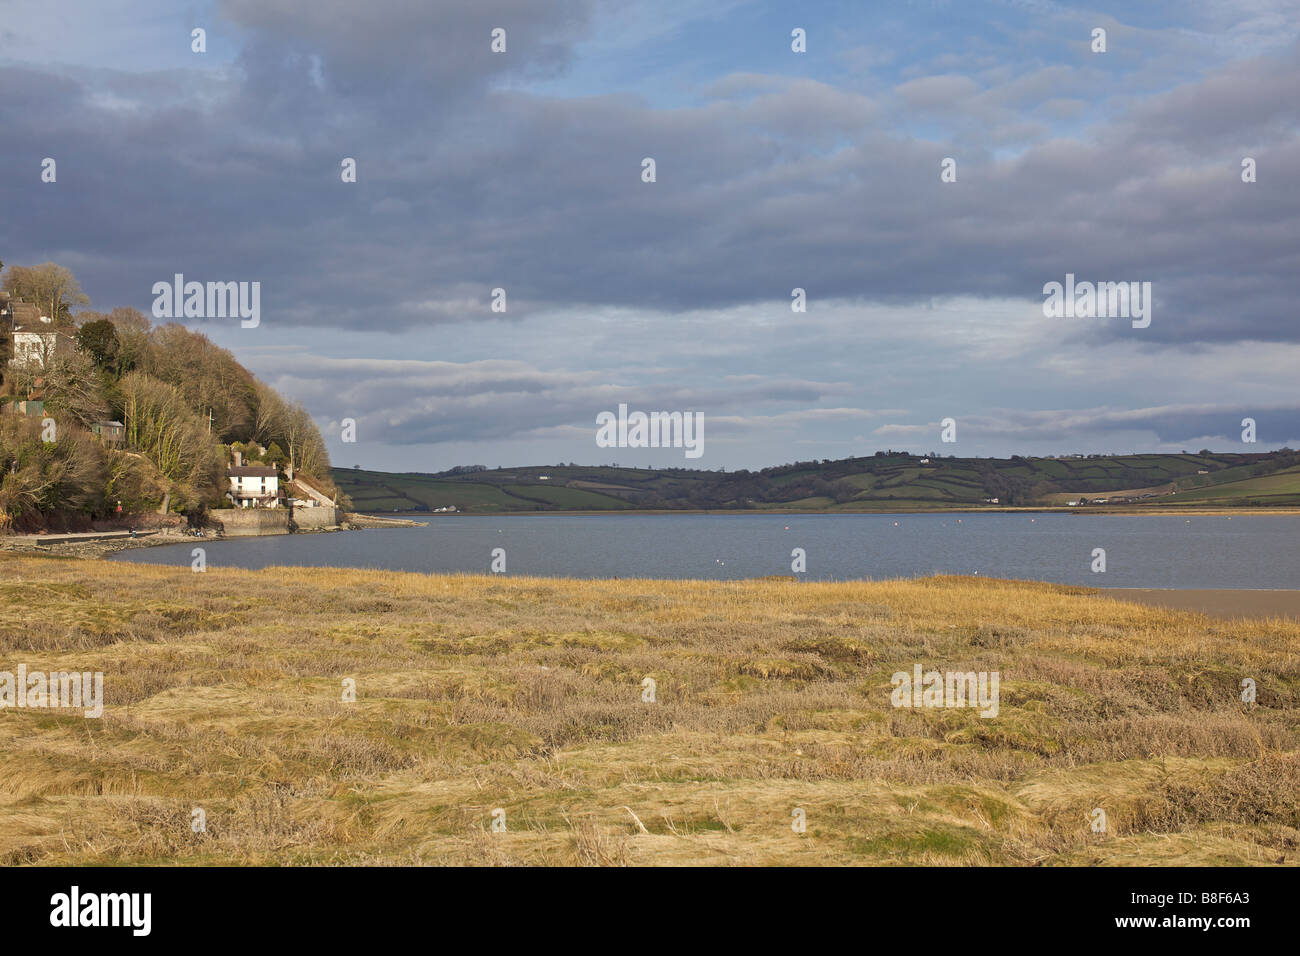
[
  {"x": 180, "y": 397},
  {"x": 895, "y": 476}
]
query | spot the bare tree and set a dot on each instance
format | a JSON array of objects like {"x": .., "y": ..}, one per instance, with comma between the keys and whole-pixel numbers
[
  {"x": 51, "y": 287},
  {"x": 208, "y": 376},
  {"x": 73, "y": 388},
  {"x": 161, "y": 425},
  {"x": 38, "y": 476}
]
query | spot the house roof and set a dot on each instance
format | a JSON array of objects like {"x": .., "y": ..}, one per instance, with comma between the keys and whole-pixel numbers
[
  {"x": 44, "y": 330},
  {"x": 27, "y": 312},
  {"x": 251, "y": 471}
]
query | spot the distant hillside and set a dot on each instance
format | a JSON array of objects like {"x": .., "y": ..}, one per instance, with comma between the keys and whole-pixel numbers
[{"x": 887, "y": 481}]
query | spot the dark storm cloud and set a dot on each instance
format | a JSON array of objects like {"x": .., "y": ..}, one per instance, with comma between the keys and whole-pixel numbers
[
  {"x": 400, "y": 402},
  {"x": 374, "y": 50},
  {"x": 466, "y": 184},
  {"x": 1170, "y": 424}
]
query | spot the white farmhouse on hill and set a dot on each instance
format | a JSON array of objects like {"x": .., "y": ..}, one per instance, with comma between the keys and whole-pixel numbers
[
  {"x": 254, "y": 486},
  {"x": 35, "y": 337}
]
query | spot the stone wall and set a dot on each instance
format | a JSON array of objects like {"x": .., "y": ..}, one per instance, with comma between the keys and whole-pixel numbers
[
  {"x": 242, "y": 522},
  {"x": 312, "y": 519}
]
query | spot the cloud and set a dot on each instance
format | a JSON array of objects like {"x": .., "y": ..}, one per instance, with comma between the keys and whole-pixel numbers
[
  {"x": 416, "y": 402},
  {"x": 772, "y": 174},
  {"x": 1171, "y": 425},
  {"x": 543, "y": 196},
  {"x": 376, "y": 49}
]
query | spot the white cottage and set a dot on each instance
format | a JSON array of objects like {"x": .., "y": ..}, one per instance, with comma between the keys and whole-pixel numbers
[
  {"x": 254, "y": 486},
  {"x": 35, "y": 338}
]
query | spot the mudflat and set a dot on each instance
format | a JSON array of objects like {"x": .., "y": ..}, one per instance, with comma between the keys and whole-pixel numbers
[{"x": 1218, "y": 602}]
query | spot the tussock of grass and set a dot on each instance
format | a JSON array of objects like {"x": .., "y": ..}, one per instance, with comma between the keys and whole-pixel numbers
[{"x": 223, "y": 692}]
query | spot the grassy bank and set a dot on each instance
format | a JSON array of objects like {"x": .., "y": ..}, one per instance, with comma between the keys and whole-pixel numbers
[{"x": 223, "y": 692}]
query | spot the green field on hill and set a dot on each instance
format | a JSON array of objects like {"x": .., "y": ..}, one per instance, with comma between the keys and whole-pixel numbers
[{"x": 881, "y": 482}]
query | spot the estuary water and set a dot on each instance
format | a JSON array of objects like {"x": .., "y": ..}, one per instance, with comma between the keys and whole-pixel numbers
[{"x": 1141, "y": 551}]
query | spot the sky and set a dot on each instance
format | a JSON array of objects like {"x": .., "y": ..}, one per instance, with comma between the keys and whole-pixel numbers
[{"x": 775, "y": 170}]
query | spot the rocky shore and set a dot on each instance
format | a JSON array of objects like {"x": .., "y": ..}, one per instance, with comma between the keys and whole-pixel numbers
[
  {"x": 154, "y": 537},
  {"x": 30, "y": 544}
]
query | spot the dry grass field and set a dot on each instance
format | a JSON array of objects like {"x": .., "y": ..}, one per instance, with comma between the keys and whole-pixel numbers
[{"x": 224, "y": 692}]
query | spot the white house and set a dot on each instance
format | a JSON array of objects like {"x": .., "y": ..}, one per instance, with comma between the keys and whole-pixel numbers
[
  {"x": 254, "y": 486},
  {"x": 34, "y": 336}
]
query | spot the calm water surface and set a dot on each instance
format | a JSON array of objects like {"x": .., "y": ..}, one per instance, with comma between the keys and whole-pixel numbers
[{"x": 1244, "y": 551}]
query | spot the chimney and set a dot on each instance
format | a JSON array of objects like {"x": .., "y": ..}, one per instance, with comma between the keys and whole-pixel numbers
[{"x": 239, "y": 458}]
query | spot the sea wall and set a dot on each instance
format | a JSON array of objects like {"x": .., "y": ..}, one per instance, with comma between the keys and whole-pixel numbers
[
  {"x": 313, "y": 519},
  {"x": 243, "y": 522}
]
